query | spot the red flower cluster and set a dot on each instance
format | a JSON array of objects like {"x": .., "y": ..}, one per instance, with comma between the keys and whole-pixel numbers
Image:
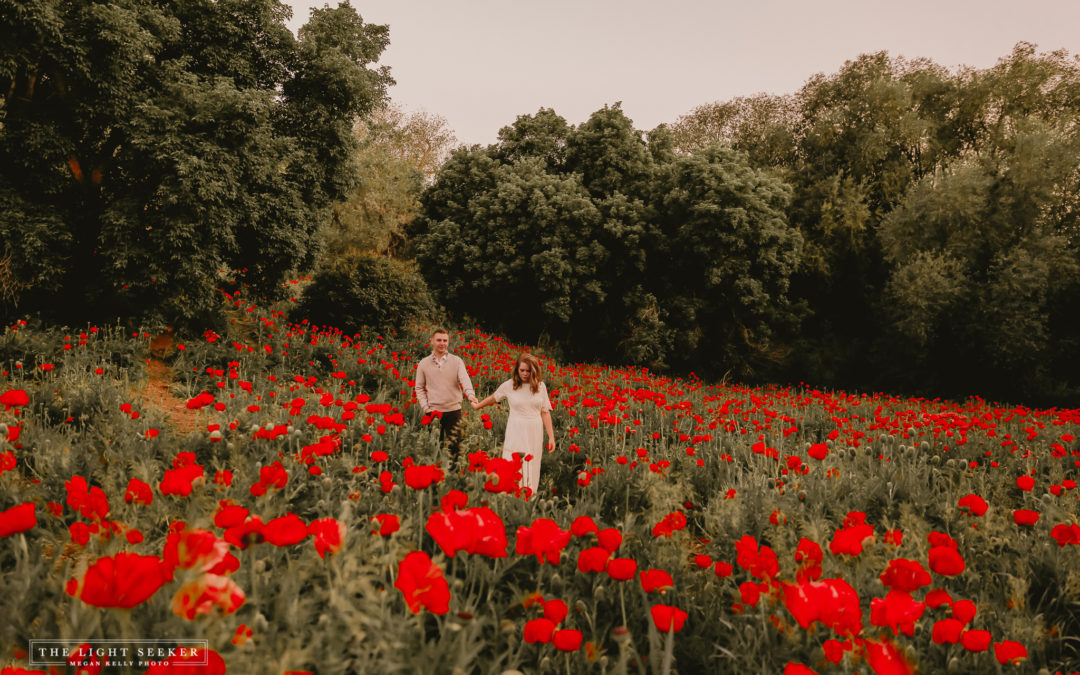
[
  {"x": 273, "y": 476},
  {"x": 477, "y": 531},
  {"x": 123, "y": 580},
  {"x": 422, "y": 584},
  {"x": 18, "y": 519},
  {"x": 671, "y": 523},
  {"x": 544, "y": 539},
  {"x": 850, "y": 539}
]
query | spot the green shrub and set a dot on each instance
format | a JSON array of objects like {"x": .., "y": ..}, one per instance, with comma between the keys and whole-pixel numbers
[{"x": 364, "y": 290}]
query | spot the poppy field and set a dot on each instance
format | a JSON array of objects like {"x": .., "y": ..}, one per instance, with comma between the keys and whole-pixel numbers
[{"x": 275, "y": 491}]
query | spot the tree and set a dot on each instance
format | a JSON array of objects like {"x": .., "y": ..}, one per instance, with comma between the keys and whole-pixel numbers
[
  {"x": 984, "y": 253},
  {"x": 397, "y": 153},
  {"x": 144, "y": 147},
  {"x": 725, "y": 224},
  {"x": 762, "y": 126},
  {"x": 571, "y": 233}
]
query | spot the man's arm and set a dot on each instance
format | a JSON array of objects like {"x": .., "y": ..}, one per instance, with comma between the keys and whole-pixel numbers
[
  {"x": 421, "y": 387},
  {"x": 466, "y": 383}
]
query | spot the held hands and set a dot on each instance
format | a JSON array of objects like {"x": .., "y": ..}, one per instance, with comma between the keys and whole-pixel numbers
[{"x": 475, "y": 402}]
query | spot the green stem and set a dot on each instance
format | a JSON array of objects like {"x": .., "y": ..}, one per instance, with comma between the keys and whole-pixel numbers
[
  {"x": 622, "y": 603},
  {"x": 669, "y": 648}
]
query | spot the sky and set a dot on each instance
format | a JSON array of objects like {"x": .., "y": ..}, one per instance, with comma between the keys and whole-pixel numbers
[{"x": 481, "y": 63}]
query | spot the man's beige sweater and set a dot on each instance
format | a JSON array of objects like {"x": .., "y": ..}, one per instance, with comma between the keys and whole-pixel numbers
[{"x": 439, "y": 384}]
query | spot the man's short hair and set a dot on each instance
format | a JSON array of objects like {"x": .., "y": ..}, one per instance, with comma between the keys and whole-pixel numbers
[{"x": 440, "y": 330}]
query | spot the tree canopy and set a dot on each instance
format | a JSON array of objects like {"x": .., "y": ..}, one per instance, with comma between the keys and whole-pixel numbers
[
  {"x": 570, "y": 232},
  {"x": 148, "y": 148}
]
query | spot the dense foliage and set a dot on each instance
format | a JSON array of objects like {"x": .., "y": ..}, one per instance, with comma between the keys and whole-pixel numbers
[
  {"x": 146, "y": 146},
  {"x": 286, "y": 501},
  {"x": 920, "y": 223},
  {"x": 939, "y": 213},
  {"x": 365, "y": 291},
  {"x": 572, "y": 233}
]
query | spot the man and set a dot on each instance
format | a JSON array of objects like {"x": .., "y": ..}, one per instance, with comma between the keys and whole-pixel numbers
[{"x": 440, "y": 378}]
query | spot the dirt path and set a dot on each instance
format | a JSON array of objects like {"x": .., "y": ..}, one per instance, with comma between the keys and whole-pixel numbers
[{"x": 157, "y": 392}]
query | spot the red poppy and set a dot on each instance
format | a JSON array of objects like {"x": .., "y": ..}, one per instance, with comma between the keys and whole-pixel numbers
[
  {"x": 798, "y": 669},
  {"x": 179, "y": 481},
  {"x": 723, "y": 569},
  {"x": 389, "y": 523},
  {"x": 567, "y": 640},
  {"x": 582, "y": 526},
  {"x": 622, "y": 569},
  {"x": 14, "y": 398},
  {"x": 544, "y": 539},
  {"x": 609, "y": 539},
  {"x": 90, "y": 502},
  {"x": 273, "y": 476},
  {"x": 138, "y": 492},
  {"x": 703, "y": 561},
  {"x": 555, "y": 610},
  {"x": 123, "y": 580},
  {"x": 975, "y": 640},
  {"x": 670, "y": 524},
  {"x": 941, "y": 539},
  {"x": 190, "y": 548},
  {"x": 477, "y": 531},
  {"x": 505, "y": 475},
  {"x": 668, "y": 618},
  {"x": 963, "y": 611},
  {"x": 760, "y": 562},
  {"x": 897, "y": 610},
  {"x": 229, "y": 515},
  {"x": 937, "y": 598},
  {"x": 946, "y": 561},
  {"x": 656, "y": 580},
  {"x": 1025, "y": 517},
  {"x": 593, "y": 559},
  {"x": 905, "y": 575},
  {"x": 420, "y": 476},
  {"x": 7, "y": 461},
  {"x": 200, "y": 596},
  {"x": 422, "y": 584},
  {"x": 818, "y": 451},
  {"x": 1025, "y": 483},
  {"x": 749, "y": 592},
  {"x": 18, "y": 519},
  {"x": 974, "y": 504},
  {"x": 835, "y": 649},
  {"x": 246, "y": 533},
  {"x": 850, "y": 539},
  {"x": 809, "y": 556},
  {"x": 285, "y": 531},
  {"x": 833, "y": 602},
  {"x": 539, "y": 630},
  {"x": 328, "y": 534},
  {"x": 1066, "y": 534},
  {"x": 886, "y": 658},
  {"x": 947, "y": 631},
  {"x": 1008, "y": 651}
]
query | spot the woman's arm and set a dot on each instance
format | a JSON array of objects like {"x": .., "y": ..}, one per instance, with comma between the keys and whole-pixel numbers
[
  {"x": 490, "y": 400},
  {"x": 546, "y": 416}
]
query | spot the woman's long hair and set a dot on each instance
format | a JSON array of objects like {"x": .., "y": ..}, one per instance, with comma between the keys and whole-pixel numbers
[{"x": 535, "y": 376}]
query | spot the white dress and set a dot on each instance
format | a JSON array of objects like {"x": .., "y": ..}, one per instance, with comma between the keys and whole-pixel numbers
[{"x": 525, "y": 428}]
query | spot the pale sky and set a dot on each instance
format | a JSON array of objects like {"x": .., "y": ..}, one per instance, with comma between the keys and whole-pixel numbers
[{"x": 481, "y": 63}]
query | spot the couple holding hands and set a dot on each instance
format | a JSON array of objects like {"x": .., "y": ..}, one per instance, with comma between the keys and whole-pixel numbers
[{"x": 440, "y": 379}]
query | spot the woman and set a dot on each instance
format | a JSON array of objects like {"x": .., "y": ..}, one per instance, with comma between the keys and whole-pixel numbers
[{"x": 530, "y": 415}]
